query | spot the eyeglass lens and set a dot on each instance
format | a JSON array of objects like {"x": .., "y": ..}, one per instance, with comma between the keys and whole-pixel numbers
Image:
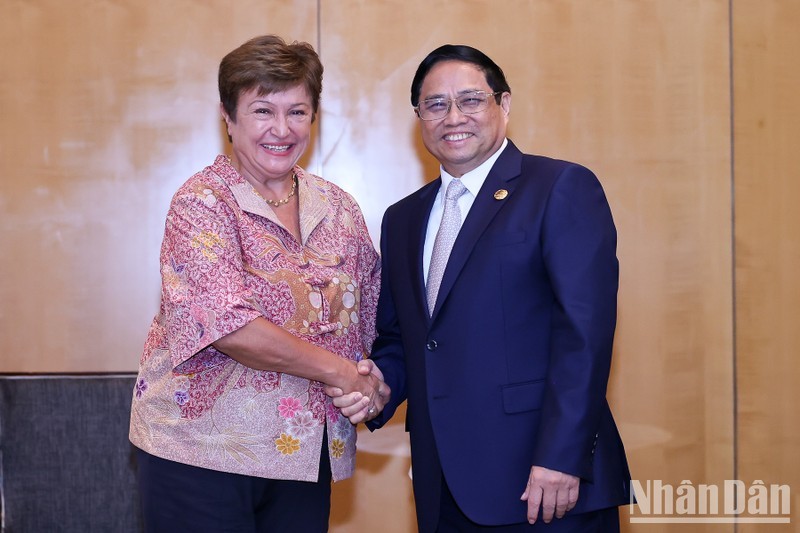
[{"x": 468, "y": 104}]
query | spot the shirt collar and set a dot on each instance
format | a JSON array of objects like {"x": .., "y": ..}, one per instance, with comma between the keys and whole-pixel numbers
[{"x": 473, "y": 180}]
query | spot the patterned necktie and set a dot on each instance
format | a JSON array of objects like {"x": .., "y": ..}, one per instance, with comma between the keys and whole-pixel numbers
[{"x": 445, "y": 237}]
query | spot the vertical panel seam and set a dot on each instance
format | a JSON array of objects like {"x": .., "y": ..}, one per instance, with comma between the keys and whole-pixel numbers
[{"x": 734, "y": 314}]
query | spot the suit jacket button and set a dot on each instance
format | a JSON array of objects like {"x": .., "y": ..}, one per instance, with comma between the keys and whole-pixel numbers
[{"x": 432, "y": 345}]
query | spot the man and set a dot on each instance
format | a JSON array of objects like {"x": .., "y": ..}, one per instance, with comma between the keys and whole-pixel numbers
[{"x": 502, "y": 346}]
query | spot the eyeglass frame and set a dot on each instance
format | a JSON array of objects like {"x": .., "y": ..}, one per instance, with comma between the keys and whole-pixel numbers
[{"x": 458, "y": 106}]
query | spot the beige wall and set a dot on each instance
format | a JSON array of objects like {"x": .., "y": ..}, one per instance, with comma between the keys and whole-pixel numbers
[
  {"x": 766, "y": 177},
  {"x": 687, "y": 110}
]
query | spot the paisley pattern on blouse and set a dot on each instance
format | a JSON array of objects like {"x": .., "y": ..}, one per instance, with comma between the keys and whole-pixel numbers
[{"x": 225, "y": 261}]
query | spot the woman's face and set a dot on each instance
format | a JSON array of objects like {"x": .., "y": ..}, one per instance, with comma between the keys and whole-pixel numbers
[{"x": 270, "y": 132}]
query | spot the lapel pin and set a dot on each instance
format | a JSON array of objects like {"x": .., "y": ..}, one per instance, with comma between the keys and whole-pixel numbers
[{"x": 500, "y": 194}]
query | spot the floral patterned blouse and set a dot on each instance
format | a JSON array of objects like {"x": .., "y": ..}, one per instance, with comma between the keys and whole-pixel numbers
[{"x": 225, "y": 261}]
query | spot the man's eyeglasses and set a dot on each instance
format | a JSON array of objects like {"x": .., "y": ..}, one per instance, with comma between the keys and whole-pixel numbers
[{"x": 467, "y": 103}]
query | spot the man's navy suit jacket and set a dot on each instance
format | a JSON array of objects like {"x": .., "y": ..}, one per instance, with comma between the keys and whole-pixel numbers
[{"x": 511, "y": 369}]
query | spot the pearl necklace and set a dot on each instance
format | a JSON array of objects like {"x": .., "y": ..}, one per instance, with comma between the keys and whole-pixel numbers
[{"x": 278, "y": 203}]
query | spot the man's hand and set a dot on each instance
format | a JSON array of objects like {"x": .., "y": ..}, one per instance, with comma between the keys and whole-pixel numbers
[
  {"x": 556, "y": 492},
  {"x": 356, "y": 406}
]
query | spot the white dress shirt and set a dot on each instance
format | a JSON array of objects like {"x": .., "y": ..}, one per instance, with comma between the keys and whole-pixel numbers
[{"x": 472, "y": 180}]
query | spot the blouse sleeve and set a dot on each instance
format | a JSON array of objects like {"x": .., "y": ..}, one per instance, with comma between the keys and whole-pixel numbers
[{"x": 204, "y": 294}]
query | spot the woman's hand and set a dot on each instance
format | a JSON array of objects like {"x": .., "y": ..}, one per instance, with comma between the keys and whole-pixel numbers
[{"x": 262, "y": 345}]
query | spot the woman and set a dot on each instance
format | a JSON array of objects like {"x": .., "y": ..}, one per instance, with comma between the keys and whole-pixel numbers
[{"x": 269, "y": 290}]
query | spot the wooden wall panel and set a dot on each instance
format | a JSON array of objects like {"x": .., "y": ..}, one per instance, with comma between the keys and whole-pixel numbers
[
  {"x": 638, "y": 91},
  {"x": 107, "y": 107},
  {"x": 766, "y": 78}
]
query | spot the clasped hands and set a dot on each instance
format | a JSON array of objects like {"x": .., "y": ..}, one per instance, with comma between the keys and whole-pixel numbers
[{"x": 368, "y": 396}]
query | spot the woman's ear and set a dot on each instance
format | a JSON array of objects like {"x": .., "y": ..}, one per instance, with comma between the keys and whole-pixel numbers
[{"x": 227, "y": 120}]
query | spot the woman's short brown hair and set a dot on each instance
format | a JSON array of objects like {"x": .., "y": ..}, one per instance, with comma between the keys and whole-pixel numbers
[{"x": 271, "y": 65}]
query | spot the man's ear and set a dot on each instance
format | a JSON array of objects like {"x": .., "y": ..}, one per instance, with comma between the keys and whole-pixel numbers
[{"x": 505, "y": 103}]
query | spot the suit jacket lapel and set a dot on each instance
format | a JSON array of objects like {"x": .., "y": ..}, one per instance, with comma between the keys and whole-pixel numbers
[
  {"x": 418, "y": 215},
  {"x": 507, "y": 167}
]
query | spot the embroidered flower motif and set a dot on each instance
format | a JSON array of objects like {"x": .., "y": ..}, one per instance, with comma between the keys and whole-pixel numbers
[
  {"x": 141, "y": 386},
  {"x": 302, "y": 425},
  {"x": 181, "y": 397},
  {"x": 337, "y": 448},
  {"x": 207, "y": 241},
  {"x": 181, "y": 383},
  {"x": 176, "y": 268},
  {"x": 204, "y": 321},
  {"x": 287, "y": 407},
  {"x": 342, "y": 429},
  {"x": 173, "y": 276},
  {"x": 286, "y": 444}
]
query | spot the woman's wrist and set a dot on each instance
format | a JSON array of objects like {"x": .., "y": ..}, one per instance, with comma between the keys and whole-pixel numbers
[{"x": 342, "y": 374}]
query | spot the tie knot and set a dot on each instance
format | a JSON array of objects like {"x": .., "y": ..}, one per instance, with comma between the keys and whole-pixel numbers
[{"x": 455, "y": 189}]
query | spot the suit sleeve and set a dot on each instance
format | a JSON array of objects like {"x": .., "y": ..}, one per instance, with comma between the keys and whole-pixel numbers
[
  {"x": 387, "y": 350},
  {"x": 579, "y": 250}
]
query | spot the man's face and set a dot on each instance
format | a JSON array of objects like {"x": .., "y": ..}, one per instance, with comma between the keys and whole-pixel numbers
[{"x": 462, "y": 142}]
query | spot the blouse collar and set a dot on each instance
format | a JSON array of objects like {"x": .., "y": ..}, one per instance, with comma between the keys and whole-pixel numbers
[{"x": 313, "y": 206}]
